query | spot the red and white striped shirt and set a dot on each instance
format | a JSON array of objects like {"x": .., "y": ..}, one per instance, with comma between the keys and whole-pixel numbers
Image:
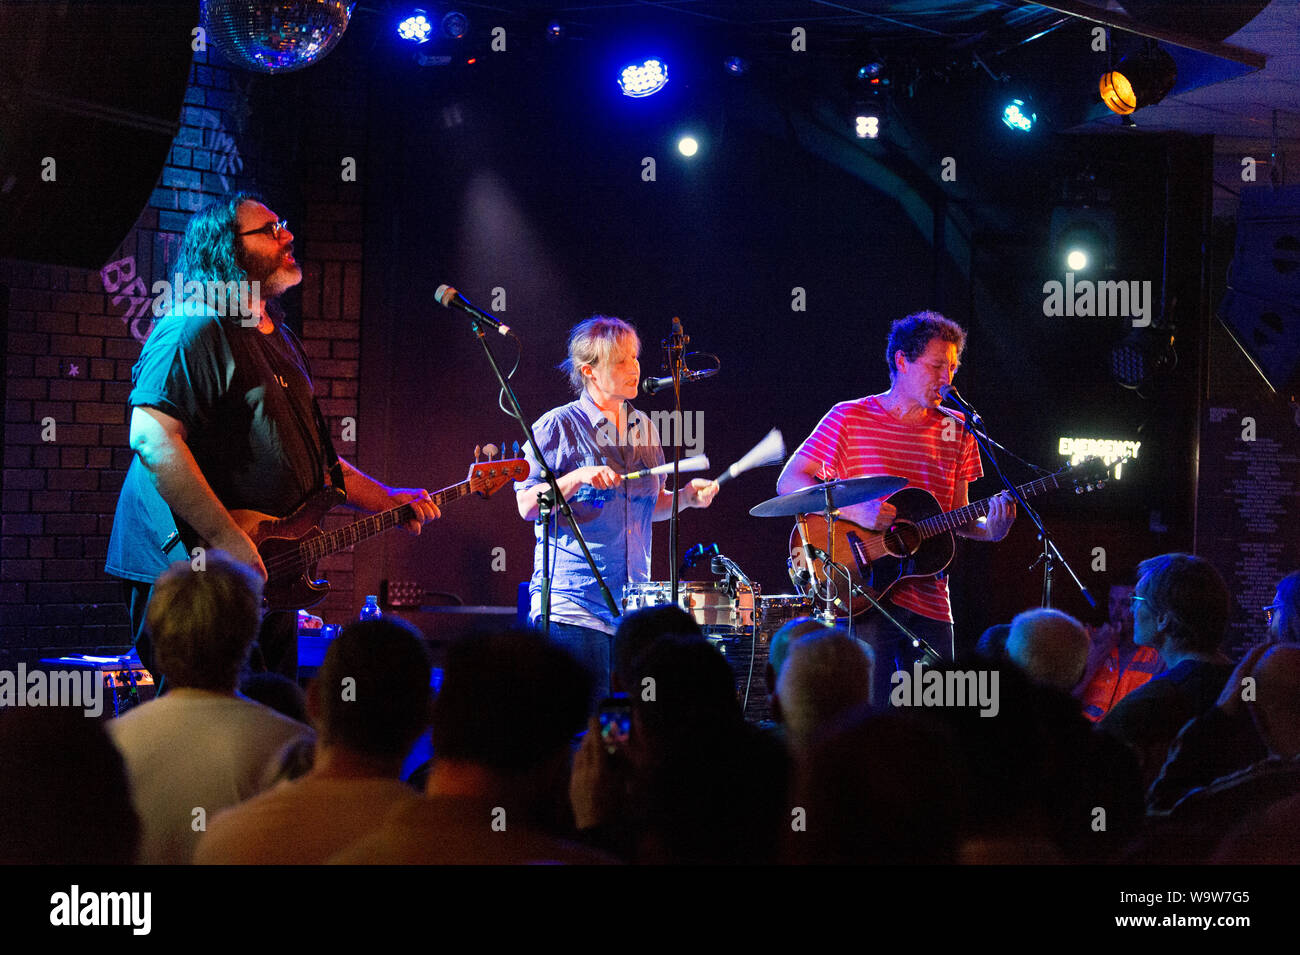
[{"x": 860, "y": 438}]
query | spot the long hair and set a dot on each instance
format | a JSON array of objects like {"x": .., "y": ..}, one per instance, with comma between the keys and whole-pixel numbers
[{"x": 209, "y": 250}]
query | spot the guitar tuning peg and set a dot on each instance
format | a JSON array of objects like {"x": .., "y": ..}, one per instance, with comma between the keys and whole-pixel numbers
[
  {"x": 477, "y": 451},
  {"x": 490, "y": 450},
  {"x": 515, "y": 453}
]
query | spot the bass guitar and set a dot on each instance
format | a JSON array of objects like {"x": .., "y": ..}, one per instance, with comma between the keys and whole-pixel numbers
[
  {"x": 918, "y": 544},
  {"x": 291, "y": 546}
]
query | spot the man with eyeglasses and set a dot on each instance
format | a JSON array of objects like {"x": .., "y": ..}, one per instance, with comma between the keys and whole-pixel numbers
[
  {"x": 1224, "y": 739},
  {"x": 224, "y": 417},
  {"x": 1180, "y": 609}
]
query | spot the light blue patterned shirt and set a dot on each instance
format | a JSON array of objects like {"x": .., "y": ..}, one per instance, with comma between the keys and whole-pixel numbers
[{"x": 616, "y": 523}]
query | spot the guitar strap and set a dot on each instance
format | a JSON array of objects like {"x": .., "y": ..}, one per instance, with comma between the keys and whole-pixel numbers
[{"x": 331, "y": 457}]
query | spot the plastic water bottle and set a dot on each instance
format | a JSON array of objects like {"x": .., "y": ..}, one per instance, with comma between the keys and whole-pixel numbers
[{"x": 371, "y": 610}]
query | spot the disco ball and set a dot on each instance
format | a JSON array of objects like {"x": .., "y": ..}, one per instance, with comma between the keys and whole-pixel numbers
[{"x": 275, "y": 36}]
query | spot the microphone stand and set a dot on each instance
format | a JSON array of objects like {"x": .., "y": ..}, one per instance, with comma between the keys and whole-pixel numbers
[
  {"x": 1051, "y": 553},
  {"x": 676, "y": 347},
  {"x": 548, "y": 499}
]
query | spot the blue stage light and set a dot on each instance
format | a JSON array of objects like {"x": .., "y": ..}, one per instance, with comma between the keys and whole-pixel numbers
[
  {"x": 688, "y": 146},
  {"x": 415, "y": 28},
  {"x": 1019, "y": 116},
  {"x": 643, "y": 79}
]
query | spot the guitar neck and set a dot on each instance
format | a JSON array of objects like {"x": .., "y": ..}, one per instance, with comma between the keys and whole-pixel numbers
[
  {"x": 951, "y": 520},
  {"x": 336, "y": 540}
]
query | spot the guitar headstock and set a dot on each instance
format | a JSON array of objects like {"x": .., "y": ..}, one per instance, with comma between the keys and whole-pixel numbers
[
  {"x": 487, "y": 477},
  {"x": 1088, "y": 475}
]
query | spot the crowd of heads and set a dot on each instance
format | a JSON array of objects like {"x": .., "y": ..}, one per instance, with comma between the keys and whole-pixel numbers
[{"x": 836, "y": 777}]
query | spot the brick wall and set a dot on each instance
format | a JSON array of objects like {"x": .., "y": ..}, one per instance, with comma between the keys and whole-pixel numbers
[
  {"x": 73, "y": 336},
  {"x": 330, "y": 243}
]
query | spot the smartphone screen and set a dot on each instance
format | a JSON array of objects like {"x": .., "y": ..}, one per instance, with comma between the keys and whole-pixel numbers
[{"x": 615, "y": 716}]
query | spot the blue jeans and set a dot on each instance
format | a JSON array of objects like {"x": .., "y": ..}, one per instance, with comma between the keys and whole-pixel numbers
[
  {"x": 893, "y": 650},
  {"x": 592, "y": 649}
]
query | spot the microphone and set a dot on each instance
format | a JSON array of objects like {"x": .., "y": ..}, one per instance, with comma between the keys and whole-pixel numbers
[
  {"x": 722, "y": 564},
  {"x": 651, "y": 385},
  {"x": 950, "y": 393},
  {"x": 448, "y": 297}
]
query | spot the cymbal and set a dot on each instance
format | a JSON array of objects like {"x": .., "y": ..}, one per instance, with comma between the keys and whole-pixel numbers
[{"x": 810, "y": 500}]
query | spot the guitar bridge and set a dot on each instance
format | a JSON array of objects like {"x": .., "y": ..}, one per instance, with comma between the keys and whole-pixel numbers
[{"x": 858, "y": 547}]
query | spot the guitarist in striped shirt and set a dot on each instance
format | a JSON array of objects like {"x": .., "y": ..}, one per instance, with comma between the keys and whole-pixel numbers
[{"x": 902, "y": 432}]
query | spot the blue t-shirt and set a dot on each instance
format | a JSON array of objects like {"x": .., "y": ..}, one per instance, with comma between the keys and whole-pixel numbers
[
  {"x": 246, "y": 401},
  {"x": 616, "y": 523}
]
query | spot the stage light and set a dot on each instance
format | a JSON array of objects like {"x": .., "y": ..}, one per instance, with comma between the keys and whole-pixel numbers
[
  {"x": 735, "y": 65},
  {"x": 643, "y": 79},
  {"x": 554, "y": 31},
  {"x": 871, "y": 72},
  {"x": 415, "y": 28},
  {"x": 455, "y": 25},
  {"x": 1019, "y": 115},
  {"x": 866, "y": 126},
  {"x": 688, "y": 146},
  {"x": 1141, "y": 79},
  {"x": 1082, "y": 239},
  {"x": 1144, "y": 353}
]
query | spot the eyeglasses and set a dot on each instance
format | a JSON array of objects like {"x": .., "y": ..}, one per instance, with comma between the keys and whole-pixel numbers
[
  {"x": 273, "y": 229},
  {"x": 1270, "y": 611},
  {"x": 1132, "y": 601}
]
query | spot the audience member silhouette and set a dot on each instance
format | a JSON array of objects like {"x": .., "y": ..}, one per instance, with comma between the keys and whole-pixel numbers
[
  {"x": 503, "y": 722},
  {"x": 369, "y": 702},
  {"x": 1223, "y": 739},
  {"x": 1051, "y": 647},
  {"x": 64, "y": 794},
  {"x": 201, "y": 747},
  {"x": 1180, "y": 609}
]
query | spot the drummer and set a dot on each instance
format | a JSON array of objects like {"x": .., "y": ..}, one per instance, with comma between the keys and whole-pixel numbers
[{"x": 591, "y": 442}]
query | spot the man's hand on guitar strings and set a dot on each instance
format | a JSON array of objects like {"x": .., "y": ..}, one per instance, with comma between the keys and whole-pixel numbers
[
  {"x": 1002, "y": 514},
  {"x": 420, "y": 501},
  {"x": 878, "y": 515}
]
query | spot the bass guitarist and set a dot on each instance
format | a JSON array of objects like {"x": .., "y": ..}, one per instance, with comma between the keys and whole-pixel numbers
[
  {"x": 223, "y": 417},
  {"x": 904, "y": 433}
]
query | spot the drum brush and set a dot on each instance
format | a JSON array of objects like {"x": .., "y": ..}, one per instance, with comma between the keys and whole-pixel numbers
[
  {"x": 771, "y": 450},
  {"x": 699, "y": 462}
]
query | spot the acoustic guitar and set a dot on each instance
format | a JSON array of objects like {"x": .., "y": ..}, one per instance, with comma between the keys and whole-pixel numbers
[
  {"x": 291, "y": 546},
  {"x": 918, "y": 544}
]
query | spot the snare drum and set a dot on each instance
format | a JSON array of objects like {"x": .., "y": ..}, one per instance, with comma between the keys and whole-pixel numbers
[{"x": 712, "y": 605}]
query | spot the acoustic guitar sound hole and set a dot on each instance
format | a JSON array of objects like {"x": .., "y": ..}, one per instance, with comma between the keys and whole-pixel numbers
[{"x": 902, "y": 539}]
